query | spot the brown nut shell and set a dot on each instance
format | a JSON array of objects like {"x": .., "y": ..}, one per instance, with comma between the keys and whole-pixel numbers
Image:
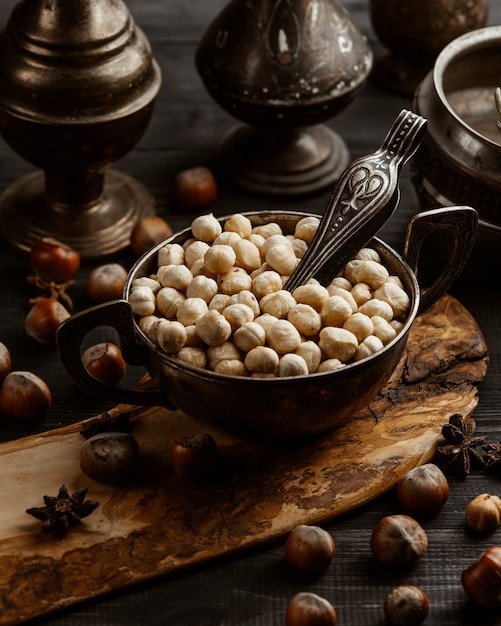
[
  {"x": 24, "y": 396},
  {"x": 110, "y": 458},
  {"x": 424, "y": 489},
  {"x": 104, "y": 361},
  {"x": 310, "y": 609},
  {"x": 398, "y": 540},
  {"x": 309, "y": 549},
  {"x": 483, "y": 513},
  {"x": 406, "y": 605},
  {"x": 5, "y": 361},
  {"x": 482, "y": 580}
]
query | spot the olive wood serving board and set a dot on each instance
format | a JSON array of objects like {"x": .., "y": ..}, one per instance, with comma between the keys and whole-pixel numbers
[{"x": 260, "y": 491}]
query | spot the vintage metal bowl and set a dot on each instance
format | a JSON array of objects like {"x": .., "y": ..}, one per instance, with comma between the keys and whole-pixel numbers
[
  {"x": 275, "y": 408},
  {"x": 459, "y": 160}
]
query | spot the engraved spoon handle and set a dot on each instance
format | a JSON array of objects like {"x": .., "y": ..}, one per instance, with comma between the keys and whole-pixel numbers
[{"x": 362, "y": 201}]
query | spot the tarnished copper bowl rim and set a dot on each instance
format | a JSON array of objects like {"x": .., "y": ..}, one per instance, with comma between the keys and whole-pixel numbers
[
  {"x": 346, "y": 371},
  {"x": 460, "y": 47}
]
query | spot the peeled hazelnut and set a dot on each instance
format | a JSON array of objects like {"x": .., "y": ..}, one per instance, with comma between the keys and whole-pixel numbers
[
  {"x": 309, "y": 609},
  {"x": 423, "y": 489},
  {"x": 24, "y": 396},
  {"x": 5, "y": 361},
  {"x": 398, "y": 540},
  {"x": 104, "y": 361},
  {"x": 482, "y": 580},
  {"x": 43, "y": 320},
  {"x": 309, "y": 549},
  {"x": 194, "y": 457},
  {"x": 483, "y": 513},
  {"x": 147, "y": 232},
  {"x": 110, "y": 458},
  {"x": 406, "y": 605}
]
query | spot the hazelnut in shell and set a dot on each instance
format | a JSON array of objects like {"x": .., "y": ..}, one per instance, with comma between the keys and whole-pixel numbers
[
  {"x": 147, "y": 232},
  {"x": 483, "y": 513},
  {"x": 482, "y": 580},
  {"x": 424, "y": 489},
  {"x": 105, "y": 362},
  {"x": 43, "y": 320},
  {"x": 106, "y": 282},
  {"x": 194, "y": 189},
  {"x": 110, "y": 457},
  {"x": 310, "y": 609},
  {"x": 5, "y": 361},
  {"x": 398, "y": 540},
  {"x": 194, "y": 457},
  {"x": 54, "y": 260},
  {"x": 309, "y": 549},
  {"x": 406, "y": 605},
  {"x": 24, "y": 396}
]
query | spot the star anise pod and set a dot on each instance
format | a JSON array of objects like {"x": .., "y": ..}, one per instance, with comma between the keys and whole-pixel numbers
[
  {"x": 63, "y": 510},
  {"x": 459, "y": 453},
  {"x": 492, "y": 458}
]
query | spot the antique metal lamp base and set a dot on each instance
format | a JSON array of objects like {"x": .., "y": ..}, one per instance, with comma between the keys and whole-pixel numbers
[
  {"x": 96, "y": 230},
  {"x": 290, "y": 162},
  {"x": 77, "y": 88}
]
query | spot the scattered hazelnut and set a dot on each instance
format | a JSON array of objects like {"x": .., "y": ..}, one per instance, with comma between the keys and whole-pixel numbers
[
  {"x": 43, "y": 320},
  {"x": 309, "y": 549},
  {"x": 54, "y": 260},
  {"x": 406, "y": 605},
  {"x": 24, "y": 396},
  {"x": 194, "y": 189},
  {"x": 104, "y": 361},
  {"x": 194, "y": 457},
  {"x": 483, "y": 513},
  {"x": 110, "y": 457},
  {"x": 5, "y": 361},
  {"x": 482, "y": 580},
  {"x": 309, "y": 609},
  {"x": 423, "y": 489},
  {"x": 147, "y": 232},
  {"x": 398, "y": 540},
  {"x": 106, "y": 282}
]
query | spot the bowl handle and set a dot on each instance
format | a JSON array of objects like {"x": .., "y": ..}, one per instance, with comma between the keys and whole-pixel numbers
[
  {"x": 462, "y": 223},
  {"x": 70, "y": 335}
]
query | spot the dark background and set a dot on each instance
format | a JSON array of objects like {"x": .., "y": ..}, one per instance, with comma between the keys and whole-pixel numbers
[{"x": 255, "y": 588}]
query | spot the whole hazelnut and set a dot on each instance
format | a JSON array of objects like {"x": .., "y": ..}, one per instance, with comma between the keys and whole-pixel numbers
[
  {"x": 194, "y": 457},
  {"x": 483, "y": 513},
  {"x": 5, "y": 361},
  {"x": 424, "y": 489},
  {"x": 24, "y": 396},
  {"x": 309, "y": 549},
  {"x": 110, "y": 457},
  {"x": 398, "y": 540},
  {"x": 482, "y": 580},
  {"x": 310, "y": 609},
  {"x": 406, "y": 605}
]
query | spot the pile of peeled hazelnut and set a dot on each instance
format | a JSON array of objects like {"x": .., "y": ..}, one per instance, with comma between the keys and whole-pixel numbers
[{"x": 218, "y": 302}]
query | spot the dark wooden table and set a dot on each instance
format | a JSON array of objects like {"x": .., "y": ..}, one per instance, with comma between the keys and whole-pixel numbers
[{"x": 255, "y": 588}]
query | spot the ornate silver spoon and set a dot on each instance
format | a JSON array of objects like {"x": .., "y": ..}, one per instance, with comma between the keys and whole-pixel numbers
[{"x": 362, "y": 201}]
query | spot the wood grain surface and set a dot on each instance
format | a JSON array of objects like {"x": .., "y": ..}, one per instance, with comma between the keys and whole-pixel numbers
[{"x": 162, "y": 524}]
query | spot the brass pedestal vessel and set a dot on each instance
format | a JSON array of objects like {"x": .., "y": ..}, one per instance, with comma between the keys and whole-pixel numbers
[
  {"x": 283, "y": 67},
  {"x": 77, "y": 88}
]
